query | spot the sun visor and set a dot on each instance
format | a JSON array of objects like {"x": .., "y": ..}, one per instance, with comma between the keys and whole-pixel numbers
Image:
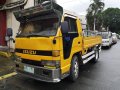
[{"x": 46, "y": 9}]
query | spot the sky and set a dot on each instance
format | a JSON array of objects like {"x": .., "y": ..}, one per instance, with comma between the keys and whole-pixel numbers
[{"x": 80, "y": 6}]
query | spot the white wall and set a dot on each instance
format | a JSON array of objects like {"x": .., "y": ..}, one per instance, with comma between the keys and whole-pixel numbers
[
  {"x": 83, "y": 21},
  {"x": 30, "y": 3},
  {"x": 12, "y": 22}
]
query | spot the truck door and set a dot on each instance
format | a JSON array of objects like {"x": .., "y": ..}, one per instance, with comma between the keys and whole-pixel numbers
[
  {"x": 69, "y": 37},
  {"x": 72, "y": 42}
]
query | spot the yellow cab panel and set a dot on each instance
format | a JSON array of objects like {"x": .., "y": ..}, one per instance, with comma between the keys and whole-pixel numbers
[{"x": 35, "y": 48}]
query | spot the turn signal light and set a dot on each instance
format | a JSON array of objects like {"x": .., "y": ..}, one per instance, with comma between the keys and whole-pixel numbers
[{"x": 55, "y": 53}]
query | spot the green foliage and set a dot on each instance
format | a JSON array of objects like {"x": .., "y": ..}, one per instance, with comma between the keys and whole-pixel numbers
[
  {"x": 111, "y": 19},
  {"x": 94, "y": 14},
  {"x": 90, "y": 20}
]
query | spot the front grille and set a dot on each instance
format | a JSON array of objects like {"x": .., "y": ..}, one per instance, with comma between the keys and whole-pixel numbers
[
  {"x": 31, "y": 62},
  {"x": 30, "y": 52}
]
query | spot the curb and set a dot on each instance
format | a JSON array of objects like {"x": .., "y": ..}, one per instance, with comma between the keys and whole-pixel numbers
[{"x": 7, "y": 76}]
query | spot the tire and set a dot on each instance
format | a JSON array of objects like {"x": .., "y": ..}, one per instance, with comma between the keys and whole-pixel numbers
[
  {"x": 74, "y": 69},
  {"x": 95, "y": 59},
  {"x": 109, "y": 46}
]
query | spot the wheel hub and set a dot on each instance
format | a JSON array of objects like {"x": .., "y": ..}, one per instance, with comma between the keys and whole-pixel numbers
[{"x": 76, "y": 68}]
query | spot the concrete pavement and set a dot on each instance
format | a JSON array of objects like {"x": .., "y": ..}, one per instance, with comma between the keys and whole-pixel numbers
[{"x": 6, "y": 65}]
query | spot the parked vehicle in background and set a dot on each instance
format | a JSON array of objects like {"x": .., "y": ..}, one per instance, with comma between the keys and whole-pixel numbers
[
  {"x": 106, "y": 39},
  {"x": 114, "y": 38},
  {"x": 118, "y": 36}
]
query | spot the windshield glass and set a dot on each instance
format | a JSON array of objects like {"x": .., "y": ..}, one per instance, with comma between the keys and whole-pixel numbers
[
  {"x": 114, "y": 35},
  {"x": 47, "y": 27},
  {"x": 105, "y": 35}
]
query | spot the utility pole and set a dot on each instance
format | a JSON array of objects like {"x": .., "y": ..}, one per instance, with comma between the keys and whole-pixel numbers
[
  {"x": 108, "y": 28},
  {"x": 94, "y": 24}
]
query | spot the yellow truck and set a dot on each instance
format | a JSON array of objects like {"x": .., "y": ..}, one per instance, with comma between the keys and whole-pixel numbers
[{"x": 51, "y": 44}]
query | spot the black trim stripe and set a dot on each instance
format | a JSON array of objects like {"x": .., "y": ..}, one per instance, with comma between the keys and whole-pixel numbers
[
  {"x": 38, "y": 52},
  {"x": 32, "y": 62}
]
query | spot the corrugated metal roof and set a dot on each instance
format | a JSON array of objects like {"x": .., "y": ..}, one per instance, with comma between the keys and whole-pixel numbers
[{"x": 12, "y": 5}]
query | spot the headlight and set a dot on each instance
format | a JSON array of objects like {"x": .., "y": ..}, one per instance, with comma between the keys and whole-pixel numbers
[
  {"x": 56, "y": 53},
  {"x": 51, "y": 63}
]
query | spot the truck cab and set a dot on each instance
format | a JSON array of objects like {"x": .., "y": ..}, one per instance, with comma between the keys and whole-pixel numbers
[{"x": 50, "y": 44}]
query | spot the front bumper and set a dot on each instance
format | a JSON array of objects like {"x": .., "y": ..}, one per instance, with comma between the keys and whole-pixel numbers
[
  {"x": 105, "y": 44},
  {"x": 114, "y": 41},
  {"x": 40, "y": 73}
]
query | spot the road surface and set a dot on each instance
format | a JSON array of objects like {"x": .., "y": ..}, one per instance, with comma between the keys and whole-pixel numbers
[{"x": 104, "y": 75}]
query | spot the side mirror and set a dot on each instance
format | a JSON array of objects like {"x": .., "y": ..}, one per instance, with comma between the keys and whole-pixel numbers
[
  {"x": 64, "y": 27},
  {"x": 9, "y": 32}
]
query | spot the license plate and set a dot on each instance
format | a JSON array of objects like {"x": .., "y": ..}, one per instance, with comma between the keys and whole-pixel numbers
[{"x": 29, "y": 69}]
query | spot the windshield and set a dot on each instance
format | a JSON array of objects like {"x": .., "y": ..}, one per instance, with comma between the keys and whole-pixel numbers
[
  {"x": 114, "y": 35},
  {"x": 47, "y": 27},
  {"x": 105, "y": 35}
]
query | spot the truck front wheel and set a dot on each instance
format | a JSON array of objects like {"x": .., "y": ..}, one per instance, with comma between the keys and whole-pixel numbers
[{"x": 74, "y": 69}]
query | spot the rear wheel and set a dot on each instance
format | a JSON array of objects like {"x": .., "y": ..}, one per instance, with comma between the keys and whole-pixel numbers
[
  {"x": 74, "y": 69},
  {"x": 95, "y": 59}
]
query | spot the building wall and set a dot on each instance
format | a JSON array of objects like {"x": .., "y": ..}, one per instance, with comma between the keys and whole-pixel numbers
[
  {"x": 30, "y": 3},
  {"x": 12, "y": 22},
  {"x": 2, "y": 28},
  {"x": 2, "y": 1},
  {"x": 2, "y": 25}
]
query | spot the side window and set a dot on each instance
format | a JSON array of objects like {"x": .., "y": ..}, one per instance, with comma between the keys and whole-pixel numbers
[
  {"x": 88, "y": 33},
  {"x": 72, "y": 25}
]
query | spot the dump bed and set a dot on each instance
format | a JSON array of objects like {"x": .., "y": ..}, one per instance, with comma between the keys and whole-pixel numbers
[{"x": 91, "y": 39}]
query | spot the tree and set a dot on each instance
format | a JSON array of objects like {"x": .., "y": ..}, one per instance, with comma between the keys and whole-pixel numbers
[
  {"x": 111, "y": 19},
  {"x": 93, "y": 13}
]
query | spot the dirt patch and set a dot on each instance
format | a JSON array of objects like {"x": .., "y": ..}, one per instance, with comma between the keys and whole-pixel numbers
[{"x": 6, "y": 65}]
